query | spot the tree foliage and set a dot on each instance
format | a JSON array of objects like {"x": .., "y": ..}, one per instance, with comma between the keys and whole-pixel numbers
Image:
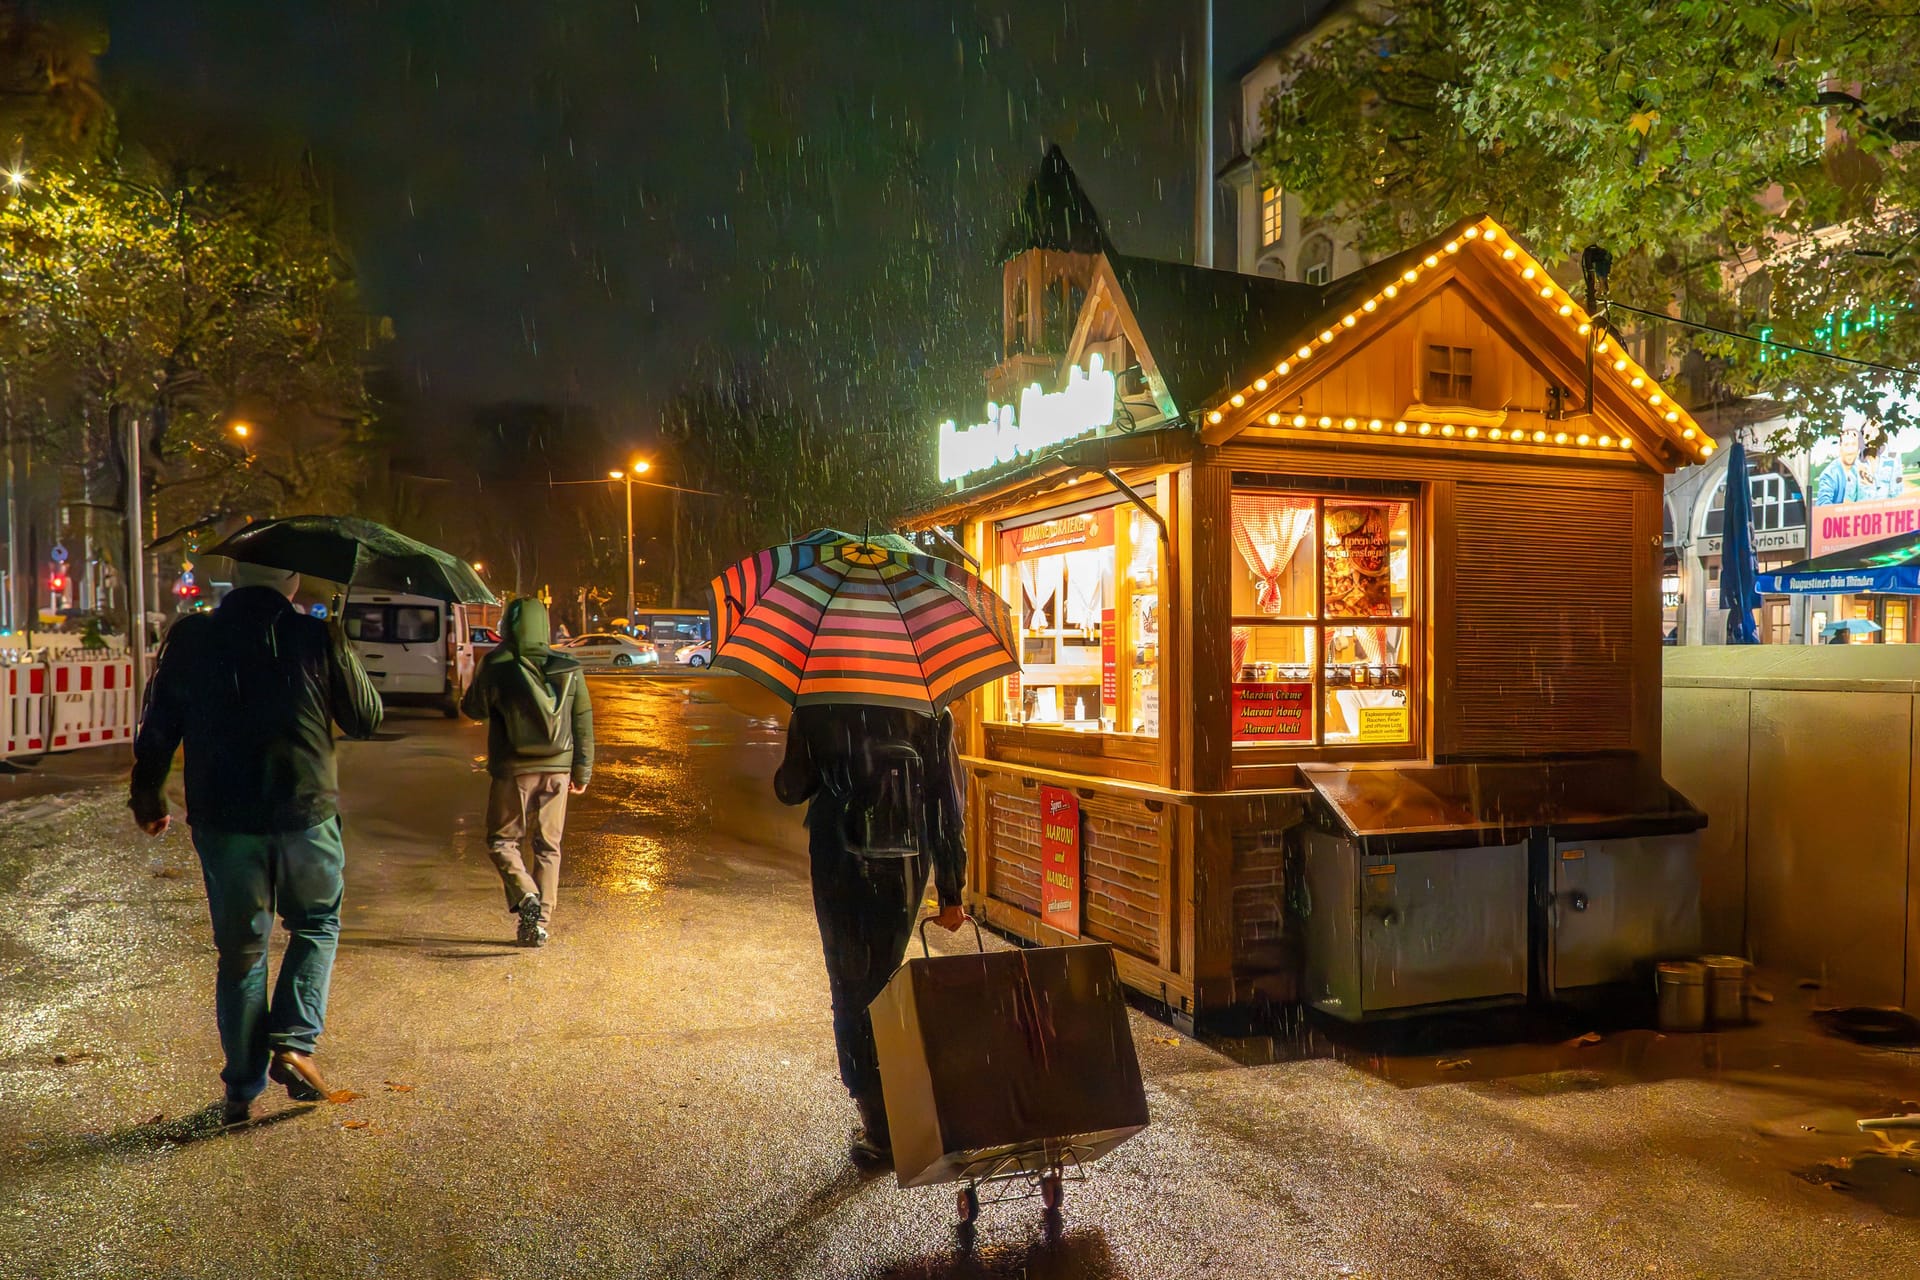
[{"x": 1750, "y": 164}]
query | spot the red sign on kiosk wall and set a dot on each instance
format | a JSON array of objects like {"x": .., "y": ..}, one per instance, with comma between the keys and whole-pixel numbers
[
  {"x": 1276, "y": 712},
  {"x": 1060, "y": 859},
  {"x": 1109, "y": 659}
]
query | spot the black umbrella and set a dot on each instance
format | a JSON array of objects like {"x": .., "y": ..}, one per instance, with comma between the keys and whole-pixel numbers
[{"x": 360, "y": 552}]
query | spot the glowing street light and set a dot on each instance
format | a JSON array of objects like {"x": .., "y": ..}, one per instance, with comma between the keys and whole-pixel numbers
[
  {"x": 638, "y": 467},
  {"x": 479, "y": 567},
  {"x": 16, "y": 178},
  {"x": 242, "y": 429}
]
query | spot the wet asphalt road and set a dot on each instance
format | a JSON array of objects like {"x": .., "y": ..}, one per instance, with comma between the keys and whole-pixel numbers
[{"x": 654, "y": 1093}]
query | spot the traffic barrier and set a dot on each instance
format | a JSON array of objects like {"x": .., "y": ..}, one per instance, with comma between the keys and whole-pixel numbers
[{"x": 66, "y": 702}]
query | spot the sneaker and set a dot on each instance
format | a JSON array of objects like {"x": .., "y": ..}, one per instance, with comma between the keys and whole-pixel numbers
[{"x": 532, "y": 934}]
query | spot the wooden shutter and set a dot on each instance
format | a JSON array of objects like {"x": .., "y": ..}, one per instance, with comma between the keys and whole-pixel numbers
[{"x": 1543, "y": 614}]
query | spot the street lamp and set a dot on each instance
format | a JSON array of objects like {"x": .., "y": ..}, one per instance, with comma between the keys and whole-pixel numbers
[
  {"x": 242, "y": 429},
  {"x": 638, "y": 467}
]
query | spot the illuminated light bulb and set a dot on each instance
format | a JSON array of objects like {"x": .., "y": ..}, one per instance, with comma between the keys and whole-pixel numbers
[
  {"x": 1539, "y": 437},
  {"x": 1638, "y": 382},
  {"x": 1492, "y": 233},
  {"x": 1559, "y": 437},
  {"x": 1528, "y": 274},
  {"x": 1349, "y": 320},
  {"x": 1447, "y": 430},
  {"x": 1391, "y": 291},
  {"x": 1326, "y": 335},
  {"x": 1282, "y": 370},
  {"x": 1303, "y": 353},
  {"x": 1432, "y": 261},
  {"x": 1326, "y": 422},
  {"x": 1672, "y": 416},
  {"x": 1410, "y": 276},
  {"x": 1370, "y": 305},
  {"x": 1546, "y": 291},
  {"x": 1605, "y": 442},
  {"x": 1687, "y": 434},
  {"x": 1473, "y": 433},
  {"x": 1237, "y": 400},
  {"x": 1654, "y": 398},
  {"x": 1259, "y": 384},
  {"x": 1507, "y": 254},
  {"x": 1566, "y": 309},
  {"x": 1299, "y": 419},
  {"x": 1399, "y": 428},
  {"x": 1214, "y": 416},
  {"x": 1585, "y": 328},
  {"x": 1583, "y": 438},
  {"x": 1453, "y": 246},
  {"x": 1494, "y": 434},
  {"x": 1426, "y": 428},
  {"x": 1273, "y": 419},
  {"x": 1705, "y": 449},
  {"x": 1620, "y": 364},
  {"x": 1375, "y": 425},
  {"x": 1473, "y": 233},
  {"x": 1626, "y": 442},
  {"x": 1350, "y": 424}
]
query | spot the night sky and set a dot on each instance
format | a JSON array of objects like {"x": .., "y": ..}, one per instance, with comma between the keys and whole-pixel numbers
[{"x": 595, "y": 200}]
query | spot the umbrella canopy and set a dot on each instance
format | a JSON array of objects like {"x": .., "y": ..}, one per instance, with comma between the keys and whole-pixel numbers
[
  {"x": 1739, "y": 567},
  {"x": 1891, "y": 566},
  {"x": 1853, "y": 626},
  {"x": 837, "y": 619},
  {"x": 359, "y": 552}
]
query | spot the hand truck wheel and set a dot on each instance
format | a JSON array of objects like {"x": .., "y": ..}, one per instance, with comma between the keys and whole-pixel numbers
[{"x": 967, "y": 1202}]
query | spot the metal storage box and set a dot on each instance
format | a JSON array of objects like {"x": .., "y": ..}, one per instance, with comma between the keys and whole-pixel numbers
[
  {"x": 1619, "y": 903},
  {"x": 1393, "y": 931},
  {"x": 1006, "y": 1061}
]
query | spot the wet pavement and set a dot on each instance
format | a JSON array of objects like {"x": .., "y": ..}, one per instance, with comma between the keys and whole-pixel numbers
[{"x": 654, "y": 1093}]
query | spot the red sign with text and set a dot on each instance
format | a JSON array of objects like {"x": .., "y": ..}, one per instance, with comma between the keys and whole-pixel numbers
[
  {"x": 1109, "y": 659},
  {"x": 1277, "y": 712},
  {"x": 1060, "y": 859}
]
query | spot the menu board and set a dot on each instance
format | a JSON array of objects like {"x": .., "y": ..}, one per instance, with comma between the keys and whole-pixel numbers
[
  {"x": 1086, "y": 529},
  {"x": 1060, "y": 859},
  {"x": 1273, "y": 712},
  {"x": 1359, "y": 574},
  {"x": 1109, "y": 659}
]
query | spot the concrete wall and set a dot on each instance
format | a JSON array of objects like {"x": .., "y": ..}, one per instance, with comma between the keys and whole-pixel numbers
[{"x": 1806, "y": 759}]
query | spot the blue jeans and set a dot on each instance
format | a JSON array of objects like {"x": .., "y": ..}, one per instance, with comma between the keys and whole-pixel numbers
[{"x": 249, "y": 878}]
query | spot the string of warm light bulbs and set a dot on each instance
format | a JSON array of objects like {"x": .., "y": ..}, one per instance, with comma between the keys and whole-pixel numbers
[{"x": 1488, "y": 234}]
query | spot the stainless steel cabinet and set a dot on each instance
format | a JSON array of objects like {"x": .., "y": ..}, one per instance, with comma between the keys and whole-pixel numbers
[{"x": 1619, "y": 903}]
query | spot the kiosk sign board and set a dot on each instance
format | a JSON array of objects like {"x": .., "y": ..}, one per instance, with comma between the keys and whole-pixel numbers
[
  {"x": 1060, "y": 859},
  {"x": 1279, "y": 711}
]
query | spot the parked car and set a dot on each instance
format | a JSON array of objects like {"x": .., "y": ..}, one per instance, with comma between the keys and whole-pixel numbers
[
  {"x": 697, "y": 654},
  {"x": 603, "y": 649}
]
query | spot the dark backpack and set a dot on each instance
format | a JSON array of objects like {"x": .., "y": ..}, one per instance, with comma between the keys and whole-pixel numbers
[{"x": 886, "y": 812}]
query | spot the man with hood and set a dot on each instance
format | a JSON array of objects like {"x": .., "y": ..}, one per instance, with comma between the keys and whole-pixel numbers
[
  {"x": 539, "y": 748},
  {"x": 253, "y": 689}
]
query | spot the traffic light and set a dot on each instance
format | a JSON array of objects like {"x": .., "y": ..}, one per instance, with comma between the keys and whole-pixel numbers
[{"x": 57, "y": 581}]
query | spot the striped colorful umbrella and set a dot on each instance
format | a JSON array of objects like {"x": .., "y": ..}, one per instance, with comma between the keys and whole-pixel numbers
[{"x": 833, "y": 618}]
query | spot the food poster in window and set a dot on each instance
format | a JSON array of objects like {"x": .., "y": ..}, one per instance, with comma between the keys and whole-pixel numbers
[
  {"x": 1060, "y": 859},
  {"x": 1279, "y": 711},
  {"x": 1359, "y": 559},
  {"x": 1140, "y": 640},
  {"x": 1109, "y": 661}
]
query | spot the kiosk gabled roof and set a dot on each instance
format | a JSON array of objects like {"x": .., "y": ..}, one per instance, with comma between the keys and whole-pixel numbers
[
  {"x": 1365, "y": 303},
  {"x": 1055, "y": 213}
]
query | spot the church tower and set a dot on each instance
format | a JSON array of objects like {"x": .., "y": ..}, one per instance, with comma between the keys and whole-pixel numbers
[{"x": 1049, "y": 257}]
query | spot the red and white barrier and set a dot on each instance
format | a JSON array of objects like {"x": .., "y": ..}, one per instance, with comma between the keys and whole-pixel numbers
[{"x": 64, "y": 703}]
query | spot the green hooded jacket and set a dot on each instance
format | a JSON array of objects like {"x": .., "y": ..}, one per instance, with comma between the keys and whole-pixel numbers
[{"x": 539, "y": 717}]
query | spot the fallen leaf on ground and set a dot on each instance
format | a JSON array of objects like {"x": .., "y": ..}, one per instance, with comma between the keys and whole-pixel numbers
[
  {"x": 356, "y": 1124},
  {"x": 1454, "y": 1064},
  {"x": 398, "y": 1088},
  {"x": 1168, "y": 1039},
  {"x": 339, "y": 1096},
  {"x": 1592, "y": 1037}
]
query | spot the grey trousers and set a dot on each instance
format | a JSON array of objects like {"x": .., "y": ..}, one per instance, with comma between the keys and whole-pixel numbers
[{"x": 528, "y": 803}]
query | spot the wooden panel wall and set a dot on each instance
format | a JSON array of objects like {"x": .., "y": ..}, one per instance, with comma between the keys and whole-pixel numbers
[
  {"x": 1122, "y": 871},
  {"x": 1544, "y": 612},
  {"x": 1013, "y": 848}
]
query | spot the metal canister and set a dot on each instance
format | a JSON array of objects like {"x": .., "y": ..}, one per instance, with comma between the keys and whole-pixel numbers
[
  {"x": 1726, "y": 990},
  {"x": 1682, "y": 988}
]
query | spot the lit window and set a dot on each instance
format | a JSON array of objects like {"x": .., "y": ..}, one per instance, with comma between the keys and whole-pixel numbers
[
  {"x": 1449, "y": 375},
  {"x": 1271, "y": 223},
  {"x": 1324, "y": 626}
]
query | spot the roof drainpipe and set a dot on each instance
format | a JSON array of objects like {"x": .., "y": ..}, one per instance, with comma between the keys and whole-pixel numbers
[{"x": 1203, "y": 192}]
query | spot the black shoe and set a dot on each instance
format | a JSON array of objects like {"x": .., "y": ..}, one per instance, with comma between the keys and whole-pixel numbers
[
  {"x": 872, "y": 1144},
  {"x": 236, "y": 1110},
  {"x": 531, "y": 934}
]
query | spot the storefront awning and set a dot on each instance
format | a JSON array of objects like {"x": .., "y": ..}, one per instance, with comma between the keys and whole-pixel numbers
[{"x": 1891, "y": 565}]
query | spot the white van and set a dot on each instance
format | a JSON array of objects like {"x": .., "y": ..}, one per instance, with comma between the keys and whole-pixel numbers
[{"x": 413, "y": 647}]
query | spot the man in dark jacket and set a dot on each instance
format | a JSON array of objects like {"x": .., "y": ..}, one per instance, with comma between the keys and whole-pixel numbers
[
  {"x": 841, "y": 761},
  {"x": 539, "y": 747},
  {"x": 254, "y": 689}
]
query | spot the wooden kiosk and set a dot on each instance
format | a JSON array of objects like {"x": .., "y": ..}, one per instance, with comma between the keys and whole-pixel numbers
[{"x": 1269, "y": 539}]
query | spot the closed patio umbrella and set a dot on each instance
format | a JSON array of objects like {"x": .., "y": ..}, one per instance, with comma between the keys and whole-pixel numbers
[{"x": 1739, "y": 568}]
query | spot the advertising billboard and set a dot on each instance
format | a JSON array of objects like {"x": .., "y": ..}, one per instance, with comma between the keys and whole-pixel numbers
[{"x": 1860, "y": 487}]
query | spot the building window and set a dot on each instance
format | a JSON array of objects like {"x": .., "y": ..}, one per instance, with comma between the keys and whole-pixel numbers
[
  {"x": 1449, "y": 375},
  {"x": 1316, "y": 260},
  {"x": 1777, "y": 500},
  {"x": 1271, "y": 222},
  {"x": 1324, "y": 620},
  {"x": 1086, "y": 588}
]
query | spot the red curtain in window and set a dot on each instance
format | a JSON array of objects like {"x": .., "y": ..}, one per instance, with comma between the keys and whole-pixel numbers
[{"x": 1267, "y": 530}]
